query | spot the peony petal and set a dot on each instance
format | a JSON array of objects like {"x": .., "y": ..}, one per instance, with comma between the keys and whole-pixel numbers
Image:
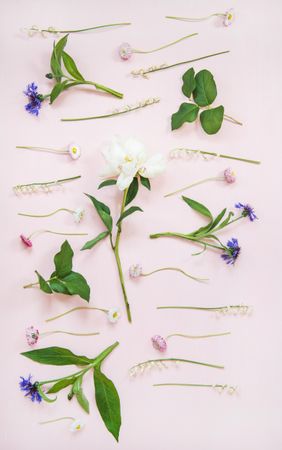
[{"x": 153, "y": 166}]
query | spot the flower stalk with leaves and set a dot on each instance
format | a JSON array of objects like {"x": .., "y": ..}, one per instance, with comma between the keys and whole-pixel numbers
[
  {"x": 63, "y": 280},
  {"x": 189, "y": 153},
  {"x": 203, "y": 89},
  {"x": 106, "y": 395},
  {"x": 223, "y": 310},
  {"x": 42, "y": 186},
  {"x": 206, "y": 237},
  {"x": 60, "y": 58},
  {"x": 127, "y": 161}
]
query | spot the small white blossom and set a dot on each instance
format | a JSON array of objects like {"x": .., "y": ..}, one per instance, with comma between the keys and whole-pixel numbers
[
  {"x": 135, "y": 270},
  {"x": 113, "y": 315},
  {"x": 78, "y": 215},
  {"x": 74, "y": 151},
  {"x": 76, "y": 425},
  {"x": 229, "y": 17}
]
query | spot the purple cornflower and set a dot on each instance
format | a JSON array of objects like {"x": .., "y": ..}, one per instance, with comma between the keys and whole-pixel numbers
[
  {"x": 34, "y": 98},
  {"x": 30, "y": 388},
  {"x": 248, "y": 211},
  {"x": 232, "y": 251}
]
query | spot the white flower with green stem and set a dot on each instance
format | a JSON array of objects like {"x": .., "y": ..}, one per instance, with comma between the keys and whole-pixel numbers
[
  {"x": 227, "y": 17},
  {"x": 34, "y": 29},
  {"x": 127, "y": 166}
]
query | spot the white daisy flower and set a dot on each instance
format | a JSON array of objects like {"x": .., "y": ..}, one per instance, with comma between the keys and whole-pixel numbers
[
  {"x": 113, "y": 315},
  {"x": 74, "y": 151},
  {"x": 78, "y": 215},
  {"x": 76, "y": 425}
]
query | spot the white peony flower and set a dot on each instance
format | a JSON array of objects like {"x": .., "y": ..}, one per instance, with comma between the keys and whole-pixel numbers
[
  {"x": 78, "y": 215},
  {"x": 125, "y": 159},
  {"x": 76, "y": 425},
  {"x": 113, "y": 315},
  {"x": 74, "y": 151}
]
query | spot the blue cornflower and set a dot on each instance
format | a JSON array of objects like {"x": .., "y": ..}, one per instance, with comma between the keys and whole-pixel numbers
[
  {"x": 34, "y": 98},
  {"x": 248, "y": 211},
  {"x": 232, "y": 251},
  {"x": 30, "y": 388}
]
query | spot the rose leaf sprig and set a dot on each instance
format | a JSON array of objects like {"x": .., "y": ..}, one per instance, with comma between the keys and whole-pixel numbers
[
  {"x": 228, "y": 17},
  {"x": 61, "y": 60},
  {"x": 127, "y": 161},
  {"x": 106, "y": 395},
  {"x": 204, "y": 91},
  {"x": 63, "y": 280},
  {"x": 206, "y": 237},
  {"x": 34, "y": 29}
]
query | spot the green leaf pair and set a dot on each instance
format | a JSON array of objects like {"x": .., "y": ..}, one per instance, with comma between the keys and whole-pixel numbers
[
  {"x": 203, "y": 89},
  {"x": 106, "y": 395},
  {"x": 63, "y": 280}
]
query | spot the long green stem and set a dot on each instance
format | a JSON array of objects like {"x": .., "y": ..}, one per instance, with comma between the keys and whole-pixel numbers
[
  {"x": 196, "y": 19},
  {"x": 77, "y": 308},
  {"x": 116, "y": 252},
  {"x": 189, "y": 361},
  {"x": 97, "y": 86},
  {"x": 164, "y": 46},
  {"x": 49, "y": 333},
  {"x": 44, "y": 149},
  {"x": 56, "y": 420},
  {"x": 176, "y": 269},
  {"x": 194, "y": 184},
  {"x": 86, "y": 29},
  {"x": 47, "y": 215},
  {"x": 203, "y": 336},
  {"x": 216, "y": 155},
  {"x": 199, "y": 308},
  {"x": 185, "y": 236},
  {"x": 47, "y": 183}
]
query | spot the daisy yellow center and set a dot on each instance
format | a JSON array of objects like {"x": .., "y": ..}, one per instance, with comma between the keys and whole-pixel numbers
[
  {"x": 230, "y": 16},
  {"x": 78, "y": 427},
  {"x": 115, "y": 315},
  {"x": 128, "y": 158},
  {"x": 74, "y": 150}
]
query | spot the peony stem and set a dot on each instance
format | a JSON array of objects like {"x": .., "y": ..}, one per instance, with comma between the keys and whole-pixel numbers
[{"x": 77, "y": 308}]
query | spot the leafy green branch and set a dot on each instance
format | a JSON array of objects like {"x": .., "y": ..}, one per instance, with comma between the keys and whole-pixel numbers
[
  {"x": 202, "y": 88},
  {"x": 106, "y": 395},
  {"x": 63, "y": 280}
]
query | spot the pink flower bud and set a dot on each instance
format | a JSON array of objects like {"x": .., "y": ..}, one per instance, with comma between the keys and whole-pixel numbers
[
  {"x": 125, "y": 51},
  {"x": 26, "y": 240},
  {"x": 32, "y": 335},
  {"x": 159, "y": 343},
  {"x": 229, "y": 175}
]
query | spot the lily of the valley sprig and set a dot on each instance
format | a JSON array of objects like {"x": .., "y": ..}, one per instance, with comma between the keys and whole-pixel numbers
[
  {"x": 32, "y": 334},
  {"x": 228, "y": 176},
  {"x": 136, "y": 271},
  {"x": 235, "y": 310},
  {"x": 113, "y": 314},
  {"x": 27, "y": 241},
  {"x": 189, "y": 153},
  {"x": 162, "y": 363},
  {"x": 206, "y": 237},
  {"x": 73, "y": 150},
  {"x": 34, "y": 30},
  {"x": 203, "y": 89},
  {"x": 128, "y": 163},
  {"x": 42, "y": 186},
  {"x": 106, "y": 395},
  {"x": 160, "y": 342},
  {"x": 227, "y": 17},
  {"x": 60, "y": 63},
  {"x": 63, "y": 280},
  {"x": 76, "y": 424},
  {"x": 125, "y": 109},
  {"x": 126, "y": 50},
  {"x": 144, "y": 72},
  {"x": 77, "y": 214},
  {"x": 220, "y": 388}
]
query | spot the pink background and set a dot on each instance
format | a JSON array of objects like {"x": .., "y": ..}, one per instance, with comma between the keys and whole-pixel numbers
[{"x": 248, "y": 82}]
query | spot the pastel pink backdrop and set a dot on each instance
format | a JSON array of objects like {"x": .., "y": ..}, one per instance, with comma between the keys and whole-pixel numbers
[{"x": 248, "y": 82}]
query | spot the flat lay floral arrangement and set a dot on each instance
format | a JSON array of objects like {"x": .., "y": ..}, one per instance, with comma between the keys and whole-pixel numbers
[{"x": 129, "y": 167}]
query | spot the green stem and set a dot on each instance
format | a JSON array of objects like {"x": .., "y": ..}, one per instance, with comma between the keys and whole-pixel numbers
[
  {"x": 194, "y": 184},
  {"x": 190, "y": 61},
  {"x": 188, "y": 384},
  {"x": 46, "y": 215},
  {"x": 77, "y": 308},
  {"x": 196, "y": 19},
  {"x": 87, "y": 29},
  {"x": 118, "y": 262},
  {"x": 204, "y": 336},
  {"x": 56, "y": 420},
  {"x": 165, "y": 46},
  {"x": 56, "y": 232},
  {"x": 37, "y": 282},
  {"x": 185, "y": 236},
  {"x": 48, "y": 333},
  {"x": 231, "y": 119},
  {"x": 198, "y": 308},
  {"x": 44, "y": 149},
  {"x": 100, "y": 87},
  {"x": 176, "y": 269},
  {"x": 218, "y": 155},
  {"x": 215, "y": 366},
  {"x": 48, "y": 183}
]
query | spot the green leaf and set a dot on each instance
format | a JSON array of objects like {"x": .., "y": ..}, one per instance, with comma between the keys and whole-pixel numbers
[
  {"x": 78, "y": 392},
  {"x": 71, "y": 67},
  {"x": 44, "y": 286},
  {"x": 56, "y": 57},
  {"x": 211, "y": 119},
  {"x": 189, "y": 82},
  {"x": 145, "y": 182},
  {"x": 60, "y": 385},
  {"x": 132, "y": 191},
  {"x": 129, "y": 211},
  {"x": 56, "y": 356},
  {"x": 205, "y": 91},
  {"x": 108, "y": 402},
  {"x": 59, "y": 286},
  {"x": 188, "y": 112},
  {"x": 218, "y": 219},
  {"x": 76, "y": 284},
  {"x": 56, "y": 91},
  {"x": 103, "y": 211},
  {"x": 226, "y": 221},
  {"x": 198, "y": 207},
  {"x": 90, "y": 244},
  {"x": 107, "y": 183},
  {"x": 63, "y": 260}
]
